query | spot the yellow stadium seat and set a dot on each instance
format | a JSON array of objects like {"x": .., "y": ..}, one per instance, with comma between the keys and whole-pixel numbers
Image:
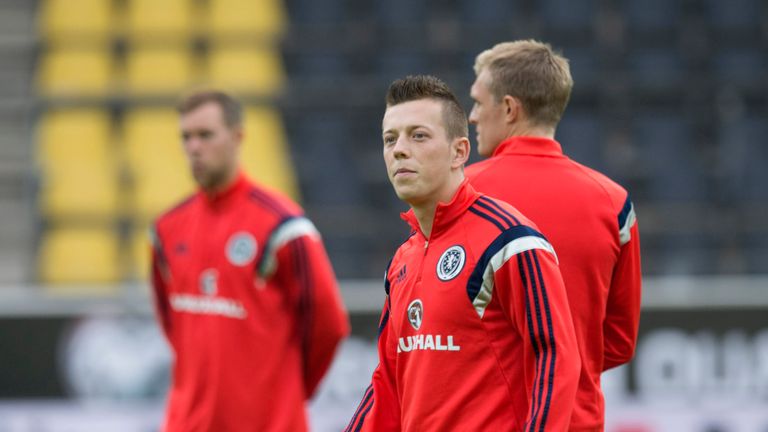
[
  {"x": 265, "y": 154},
  {"x": 79, "y": 255},
  {"x": 166, "y": 19},
  {"x": 156, "y": 159},
  {"x": 229, "y": 19},
  {"x": 67, "y": 72},
  {"x": 90, "y": 191},
  {"x": 67, "y": 20},
  {"x": 253, "y": 70},
  {"x": 79, "y": 178},
  {"x": 74, "y": 137},
  {"x": 159, "y": 70}
]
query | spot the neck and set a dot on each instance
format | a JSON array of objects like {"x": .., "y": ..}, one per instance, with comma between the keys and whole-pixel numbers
[
  {"x": 425, "y": 210},
  {"x": 220, "y": 186},
  {"x": 425, "y": 214},
  {"x": 526, "y": 129}
]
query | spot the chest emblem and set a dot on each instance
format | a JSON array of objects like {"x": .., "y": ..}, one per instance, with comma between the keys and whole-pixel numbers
[
  {"x": 241, "y": 248},
  {"x": 451, "y": 263},
  {"x": 208, "y": 281},
  {"x": 415, "y": 313}
]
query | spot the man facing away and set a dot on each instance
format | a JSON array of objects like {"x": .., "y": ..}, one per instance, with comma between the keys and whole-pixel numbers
[
  {"x": 243, "y": 288},
  {"x": 520, "y": 93},
  {"x": 475, "y": 334}
]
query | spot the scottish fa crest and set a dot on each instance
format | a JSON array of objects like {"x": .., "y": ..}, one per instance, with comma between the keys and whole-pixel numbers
[
  {"x": 415, "y": 313},
  {"x": 241, "y": 248},
  {"x": 450, "y": 263}
]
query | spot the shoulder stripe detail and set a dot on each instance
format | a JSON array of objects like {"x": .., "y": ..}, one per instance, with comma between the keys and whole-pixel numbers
[
  {"x": 627, "y": 219},
  {"x": 363, "y": 406},
  {"x": 286, "y": 231},
  {"x": 269, "y": 202},
  {"x": 500, "y": 208},
  {"x": 508, "y": 221},
  {"x": 509, "y": 243},
  {"x": 500, "y": 223}
]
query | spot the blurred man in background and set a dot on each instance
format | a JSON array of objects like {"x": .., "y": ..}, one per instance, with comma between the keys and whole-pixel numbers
[
  {"x": 520, "y": 93},
  {"x": 475, "y": 333},
  {"x": 244, "y": 289}
]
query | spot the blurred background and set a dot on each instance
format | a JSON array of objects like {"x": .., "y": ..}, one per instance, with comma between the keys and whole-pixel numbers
[{"x": 670, "y": 100}]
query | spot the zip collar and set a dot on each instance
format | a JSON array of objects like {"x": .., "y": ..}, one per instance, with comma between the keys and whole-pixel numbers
[
  {"x": 446, "y": 213},
  {"x": 529, "y": 145},
  {"x": 241, "y": 183}
]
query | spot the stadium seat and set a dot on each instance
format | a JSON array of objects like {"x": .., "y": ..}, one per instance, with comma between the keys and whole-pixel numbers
[
  {"x": 150, "y": 20},
  {"x": 69, "y": 72},
  {"x": 79, "y": 255},
  {"x": 490, "y": 12},
  {"x": 265, "y": 154},
  {"x": 671, "y": 165},
  {"x": 230, "y": 19},
  {"x": 652, "y": 16},
  {"x": 397, "y": 64},
  {"x": 398, "y": 13},
  {"x": 581, "y": 134},
  {"x": 567, "y": 17},
  {"x": 584, "y": 62},
  {"x": 73, "y": 137},
  {"x": 313, "y": 12},
  {"x": 75, "y": 20},
  {"x": 657, "y": 70},
  {"x": 159, "y": 171},
  {"x": 319, "y": 66},
  {"x": 159, "y": 69},
  {"x": 742, "y": 67},
  {"x": 249, "y": 69},
  {"x": 89, "y": 192},
  {"x": 79, "y": 178},
  {"x": 741, "y": 158},
  {"x": 319, "y": 150},
  {"x": 735, "y": 16}
]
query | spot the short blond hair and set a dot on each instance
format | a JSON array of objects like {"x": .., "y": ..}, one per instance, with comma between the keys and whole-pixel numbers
[{"x": 532, "y": 72}]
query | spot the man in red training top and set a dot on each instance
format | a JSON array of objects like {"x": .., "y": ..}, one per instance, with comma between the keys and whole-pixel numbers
[
  {"x": 244, "y": 290},
  {"x": 475, "y": 334},
  {"x": 520, "y": 93}
]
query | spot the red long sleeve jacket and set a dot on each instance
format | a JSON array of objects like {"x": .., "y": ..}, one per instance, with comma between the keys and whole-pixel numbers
[
  {"x": 590, "y": 221},
  {"x": 249, "y": 303},
  {"x": 476, "y": 334}
]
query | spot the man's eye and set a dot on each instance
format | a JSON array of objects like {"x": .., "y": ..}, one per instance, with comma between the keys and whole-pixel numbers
[
  {"x": 419, "y": 136},
  {"x": 389, "y": 140},
  {"x": 205, "y": 134}
]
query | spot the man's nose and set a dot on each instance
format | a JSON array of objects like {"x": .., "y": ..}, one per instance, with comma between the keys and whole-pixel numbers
[{"x": 400, "y": 150}]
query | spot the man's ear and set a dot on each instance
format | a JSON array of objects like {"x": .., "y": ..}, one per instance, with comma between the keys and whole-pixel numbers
[
  {"x": 460, "y": 149},
  {"x": 513, "y": 109},
  {"x": 238, "y": 135}
]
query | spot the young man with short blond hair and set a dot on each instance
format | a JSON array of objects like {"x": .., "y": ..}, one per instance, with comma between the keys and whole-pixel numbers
[{"x": 520, "y": 93}]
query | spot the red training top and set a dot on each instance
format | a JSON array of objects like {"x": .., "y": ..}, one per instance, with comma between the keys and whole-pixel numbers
[
  {"x": 591, "y": 222},
  {"x": 476, "y": 334},
  {"x": 249, "y": 303}
]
